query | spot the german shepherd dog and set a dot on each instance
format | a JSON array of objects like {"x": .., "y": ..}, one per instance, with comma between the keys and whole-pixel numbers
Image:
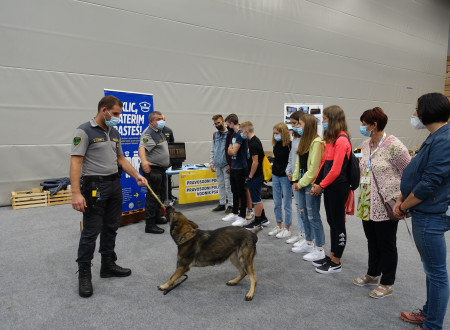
[{"x": 199, "y": 248}]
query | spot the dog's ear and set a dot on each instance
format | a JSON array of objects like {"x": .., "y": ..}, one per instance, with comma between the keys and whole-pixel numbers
[{"x": 193, "y": 224}]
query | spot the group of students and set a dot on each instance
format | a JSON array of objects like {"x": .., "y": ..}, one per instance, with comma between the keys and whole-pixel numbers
[{"x": 306, "y": 166}]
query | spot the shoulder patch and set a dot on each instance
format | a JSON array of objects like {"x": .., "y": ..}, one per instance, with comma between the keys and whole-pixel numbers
[
  {"x": 144, "y": 140},
  {"x": 76, "y": 140}
]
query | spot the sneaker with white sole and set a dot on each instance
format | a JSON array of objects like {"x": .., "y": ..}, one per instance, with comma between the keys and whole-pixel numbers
[
  {"x": 250, "y": 215},
  {"x": 274, "y": 231},
  {"x": 305, "y": 247},
  {"x": 240, "y": 222},
  {"x": 329, "y": 268},
  {"x": 321, "y": 262},
  {"x": 284, "y": 233},
  {"x": 300, "y": 241},
  {"x": 265, "y": 222},
  {"x": 316, "y": 254},
  {"x": 230, "y": 217},
  {"x": 293, "y": 239}
]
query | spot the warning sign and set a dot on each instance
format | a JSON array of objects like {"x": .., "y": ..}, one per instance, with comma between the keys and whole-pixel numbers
[{"x": 198, "y": 186}]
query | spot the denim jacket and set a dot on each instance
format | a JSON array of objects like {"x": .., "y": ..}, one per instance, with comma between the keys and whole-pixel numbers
[
  {"x": 217, "y": 154},
  {"x": 428, "y": 174}
]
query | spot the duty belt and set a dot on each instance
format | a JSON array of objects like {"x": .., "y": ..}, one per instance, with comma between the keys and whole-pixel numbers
[{"x": 100, "y": 178}]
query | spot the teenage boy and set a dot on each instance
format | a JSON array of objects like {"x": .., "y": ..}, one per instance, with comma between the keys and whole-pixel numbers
[{"x": 238, "y": 152}]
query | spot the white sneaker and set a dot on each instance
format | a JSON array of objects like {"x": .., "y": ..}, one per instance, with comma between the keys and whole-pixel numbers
[
  {"x": 284, "y": 233},
  {"x": 230, "y": 217},
  {"x": 239, "y": 222},
  {"x": 316, "y": 254},
  {"x": 250, "y": 215},
  {"x": 274, "y": 231},
  {"x": 304, "y": 247},
  {"x": 301, "y": 239}
]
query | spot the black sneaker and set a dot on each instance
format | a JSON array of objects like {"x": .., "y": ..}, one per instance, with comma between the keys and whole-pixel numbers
[
  {"x": 321, "y": 262},
  {"x": 329, "y": 268},
  {"x": 229, "y": 210},
  {"x": 254, "y": 224},
  {"x": 265, "y": 222},
  {"x": 218, "y": 208}
]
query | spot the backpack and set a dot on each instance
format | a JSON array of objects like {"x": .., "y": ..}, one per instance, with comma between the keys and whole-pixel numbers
[
  {"x": 353, "y": 172},
  {"x": 267, "y": 169}
]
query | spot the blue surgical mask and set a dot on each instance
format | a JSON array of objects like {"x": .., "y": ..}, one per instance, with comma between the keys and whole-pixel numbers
[
  {"x": 294, "y": 129},
  {"x": 417, "y": 123},
  {"x": 325, "y": 126},
  {"x": 112, "y": 122},
  {"x": 243, "y": 136},
  {"x": 160, "y": 124},
  {"x": 363, "y": 130},
  {"x": 277, "y": 137},
  {"x": 300, "y": 131}
]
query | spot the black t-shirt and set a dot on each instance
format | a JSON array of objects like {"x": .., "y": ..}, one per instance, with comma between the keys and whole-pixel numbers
[{"x": 255, "y": 148}]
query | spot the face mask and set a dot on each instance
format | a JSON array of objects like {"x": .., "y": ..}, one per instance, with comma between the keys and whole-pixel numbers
[
  {"x": 416, "y": 123},
  {"x": 300, "y": 131},
  {"x": 277, "y": 137},
  {"x": 295, "y": 129},
  {"x": 325, "y": 126},
  {"x": 160, "y": 124},
  {"x": 363, "y": 130},
  {"x": 219, "y": 128},
  {"x": 112, "y": 122},
  {"x": 243, "y": 136}
]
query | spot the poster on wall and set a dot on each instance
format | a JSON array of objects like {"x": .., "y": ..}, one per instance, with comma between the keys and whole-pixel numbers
[
  {"x": 198, "y": 186},
  {"x": 313, "y": 109},
  {"x": 133, "y": 121}
]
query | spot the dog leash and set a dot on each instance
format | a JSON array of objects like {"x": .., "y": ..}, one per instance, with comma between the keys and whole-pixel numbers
[{"x": 154, "y": 195}]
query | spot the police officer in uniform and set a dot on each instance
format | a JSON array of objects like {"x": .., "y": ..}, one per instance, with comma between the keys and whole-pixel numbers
[
  {"x": 155, "y": 159},
  {"x": 96, "y": 190}
]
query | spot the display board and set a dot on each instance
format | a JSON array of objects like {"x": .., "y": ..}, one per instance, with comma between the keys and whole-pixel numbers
[
  {"x": 313, "y": 109},
  {"x": 133, "y": 121},
  {"x": 197, "y": 186}
]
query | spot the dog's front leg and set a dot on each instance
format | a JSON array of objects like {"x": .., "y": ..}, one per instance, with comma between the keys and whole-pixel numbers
[{"x": 180, "y": 271}]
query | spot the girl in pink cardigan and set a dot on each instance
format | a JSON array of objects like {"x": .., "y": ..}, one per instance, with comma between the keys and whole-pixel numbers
[{"x": 382, "y": 164}]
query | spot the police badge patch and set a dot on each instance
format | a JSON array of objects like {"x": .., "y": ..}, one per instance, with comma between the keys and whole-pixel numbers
[{"x": 76, "y": 140}]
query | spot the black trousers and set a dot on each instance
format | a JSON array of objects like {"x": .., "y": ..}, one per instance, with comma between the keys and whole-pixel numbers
[
  {"x": 334, "y": 198},
  {"x": 237, "y": 182},
  {"x": 157, "y": 181},
  {"x": 382, "y": 245},
  {"x": 102, "y": 216}
]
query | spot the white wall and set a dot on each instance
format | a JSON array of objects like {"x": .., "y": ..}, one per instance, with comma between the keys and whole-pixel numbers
[{"x": 202, "y": 57}]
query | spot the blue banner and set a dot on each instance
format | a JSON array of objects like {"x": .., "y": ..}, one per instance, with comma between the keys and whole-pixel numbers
[{"x": 133, "y": 121}]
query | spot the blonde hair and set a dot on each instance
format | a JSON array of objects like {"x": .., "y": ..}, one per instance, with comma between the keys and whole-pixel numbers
[
  {"x": 336, "y": 123},
  {"x": 248, "y": 125},
  {"x": 284, "y": 132},
  {"x": 309, "y": 133}
]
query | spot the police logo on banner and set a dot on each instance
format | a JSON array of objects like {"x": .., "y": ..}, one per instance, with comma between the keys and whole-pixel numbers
[{"x": 76, "y": 140}]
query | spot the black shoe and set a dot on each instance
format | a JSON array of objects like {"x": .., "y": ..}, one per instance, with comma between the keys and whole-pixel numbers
[
  {"x": 229, "y": 210},
  {"x": 329, "y": 268},
  {"x": 85, "y": 289},
  {"x": 161, "y": 221},
  {"x": 254, "y": 224},
  {"x": 219, "y": 208},
  {"x": 153, "y": 229},
  {"x": 110, "y": 269},
  {"x": 265, "y": 222},
  {"x": 321, "y": 262}
]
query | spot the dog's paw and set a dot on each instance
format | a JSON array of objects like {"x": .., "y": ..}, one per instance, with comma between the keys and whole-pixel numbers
[
  {"x": 163, "y": 287},
  {"x": 229, "y": 283},
  {"x": 248, "y": 298}
]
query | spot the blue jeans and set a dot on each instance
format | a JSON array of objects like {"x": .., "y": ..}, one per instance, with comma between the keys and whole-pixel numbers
[
  {"x": 282, "y": 192},
  {"x": 428, "y": 230},
  {"x": 301, "y": 226},
  {"x": 223, "y": 181},
  {"x": 310, "y": 210}
]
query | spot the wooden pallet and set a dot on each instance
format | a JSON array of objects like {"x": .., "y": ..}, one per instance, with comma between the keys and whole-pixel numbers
[
  {"x": 61, "y": 197},
  {"x": 29, "y": 198}
]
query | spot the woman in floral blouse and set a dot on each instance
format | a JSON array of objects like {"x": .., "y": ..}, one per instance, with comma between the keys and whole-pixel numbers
[{"x": 382, "y": 164}]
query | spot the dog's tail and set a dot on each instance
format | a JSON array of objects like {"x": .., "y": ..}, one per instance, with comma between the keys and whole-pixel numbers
[{"x": 257, "y": 229}]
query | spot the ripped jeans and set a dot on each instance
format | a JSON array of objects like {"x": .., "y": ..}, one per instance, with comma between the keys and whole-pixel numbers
[{"x": 310, "y": 210}]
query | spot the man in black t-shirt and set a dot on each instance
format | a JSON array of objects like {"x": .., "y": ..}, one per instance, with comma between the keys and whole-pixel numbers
[{"x": 255, "y": 175}]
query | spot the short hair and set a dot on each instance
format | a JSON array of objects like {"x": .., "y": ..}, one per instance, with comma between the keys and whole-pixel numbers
[
  {"x": 232, "y": 118},
  {"x": 375, "y": 115},
  {"x": 153, "y": 114},
  {"x": 215, "y": 117},
  {"x": 248, "y": 125},
  {"x": 433, "y": 108},
  {"x": 109, "y": 101}
]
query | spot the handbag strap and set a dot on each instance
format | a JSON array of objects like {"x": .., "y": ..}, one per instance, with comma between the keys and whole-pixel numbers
[{"x": 378, "y": 188}]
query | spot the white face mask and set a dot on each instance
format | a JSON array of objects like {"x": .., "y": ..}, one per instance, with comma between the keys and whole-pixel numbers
[{"x": 416, "y": 123}]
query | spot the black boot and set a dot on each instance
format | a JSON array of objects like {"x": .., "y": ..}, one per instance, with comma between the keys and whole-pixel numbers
[
  {"x": 85, "y": 289},
  {"x": 152, "y": 228},
  {"x": 161, "y": 220},
  {"x": 110, "y": 269}
]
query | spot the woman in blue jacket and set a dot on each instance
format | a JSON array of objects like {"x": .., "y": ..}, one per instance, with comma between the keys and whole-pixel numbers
[{"x": 425, "y": 191}]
